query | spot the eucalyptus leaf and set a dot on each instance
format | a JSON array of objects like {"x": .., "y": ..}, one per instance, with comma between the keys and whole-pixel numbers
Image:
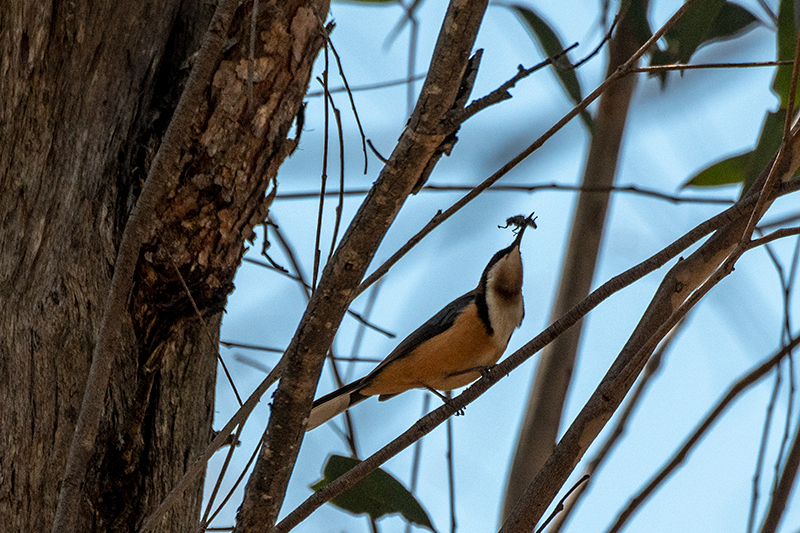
[
  {"x": 707, "y": 21},
  {"x": 726, "y": 172},
  {"x": 550, "y": 44},
  {"x": 377, "y": 495},
  {"x": 787, "y": 31}
]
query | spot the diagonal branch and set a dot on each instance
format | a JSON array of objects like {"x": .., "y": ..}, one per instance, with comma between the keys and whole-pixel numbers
[
  {"x": 745, "y": 382},
  {"x": 680, "y": 289},
  {"x": 306, "y": 352},
  {"x": 429, "y": 422},
  {"x": 441, "y": 216}
]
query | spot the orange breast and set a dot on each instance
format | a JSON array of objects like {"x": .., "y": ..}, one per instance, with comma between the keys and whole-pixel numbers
[{"x": 445, "y": 362}]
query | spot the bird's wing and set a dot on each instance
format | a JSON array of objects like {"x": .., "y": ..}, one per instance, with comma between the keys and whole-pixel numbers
[
  {"x": 342, "y": 399},
  {"x": 438, "y": 323}
]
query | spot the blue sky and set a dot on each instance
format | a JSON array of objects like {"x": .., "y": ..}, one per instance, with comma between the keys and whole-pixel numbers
[{"x": 701, "y": 117}]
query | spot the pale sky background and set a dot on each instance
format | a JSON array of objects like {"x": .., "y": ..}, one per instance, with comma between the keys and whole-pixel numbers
[{"x": 701, "y": 117}]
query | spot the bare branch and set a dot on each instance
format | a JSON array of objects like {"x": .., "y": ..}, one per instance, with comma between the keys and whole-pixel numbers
[
  {"x": 635, "y": 189},
  {"x": 305, "y": 355},
  {"x": 429, "y": 422},
  {"x": 738, "y": 388},
  {"x": 650, "y": 371},
  {"x": 706, "y": 66}
]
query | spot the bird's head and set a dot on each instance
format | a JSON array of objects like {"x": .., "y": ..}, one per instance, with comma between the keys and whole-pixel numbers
[{"x": 503, "y": 273}]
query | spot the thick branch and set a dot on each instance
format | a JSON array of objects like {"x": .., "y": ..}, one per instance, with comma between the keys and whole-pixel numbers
[{"x": 305, "y": 355}]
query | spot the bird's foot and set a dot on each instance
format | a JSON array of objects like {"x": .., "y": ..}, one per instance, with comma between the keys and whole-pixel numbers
[{"x": 446, "y": 400}]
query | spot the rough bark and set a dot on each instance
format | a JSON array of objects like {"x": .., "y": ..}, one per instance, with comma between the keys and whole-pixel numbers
[
  {"x": 88, "y": 91},
  {"x": 542, "y": 418}
]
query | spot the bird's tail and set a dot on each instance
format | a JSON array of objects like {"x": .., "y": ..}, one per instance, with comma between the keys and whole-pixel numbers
[{"x": 334, "y": 403}]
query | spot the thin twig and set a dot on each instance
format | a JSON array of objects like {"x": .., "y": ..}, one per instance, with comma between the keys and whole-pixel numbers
[
  {"x": 236, "y": 484},
  {"x": 205, "y": 328},
  {"x": 560, "y": 506},
  {"x": 346, "y": 89},
  {"x": 338, "y": 116},
  {"x": 370, "y": 87},
  {"x": 324, "y": 177},
  {"x": 762, "y": 450},
  {"x": 426, "y": 400},
  {"x": 427, "y": 423},
  {"x": 251, "y": 362},
  {"x": 231, "y": 344},
  {"x": 635, "y": 189},
  {"x": 459, "y": 116},
  {"x": 738, "y": 388},
  {"x": 220, "y": 477},
  {"x": 451, "y": 471},
  {"x": 359, "y": 318},
  {"x": 277, "y": 350},
  {"x": 606, "y": 38}
]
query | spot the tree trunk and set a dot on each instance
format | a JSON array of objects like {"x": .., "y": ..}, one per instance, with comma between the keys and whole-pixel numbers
[{"x": 88, "y": 90}]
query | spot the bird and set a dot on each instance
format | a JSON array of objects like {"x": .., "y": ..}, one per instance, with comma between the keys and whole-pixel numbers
[{"x": 454, "y": 347}]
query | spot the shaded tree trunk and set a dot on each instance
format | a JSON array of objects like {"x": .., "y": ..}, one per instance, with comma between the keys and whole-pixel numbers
[{"x": 88, "y": 90}]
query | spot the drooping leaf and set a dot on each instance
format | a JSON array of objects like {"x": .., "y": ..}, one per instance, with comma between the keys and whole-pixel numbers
[
  {"x": 731, "y": 20},
  {"x": 787, "y": 32},
  {"x": 691, "y": 30},
  {"x": 705, "y": 22},
  {"x": 377, "y": 495},
  {"x": 768, "y": 142},
  {"x": 551, "y": 44},
  {"x": 725, "y": 172},
  {"x": 745, "y": 168}
]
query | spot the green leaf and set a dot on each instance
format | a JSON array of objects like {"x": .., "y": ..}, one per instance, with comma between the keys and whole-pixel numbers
[
  {"x": 767, "y": 146},
  {"x": 787, "y": 31},
  {"x": 705, "y": 22},
  {"x": 745, "y": 168},
  {"x": 550, "y": 44},
  {"x": 377, "y": 495},
  {"x": 731, "y": 21},
  {"x": 691, "y": 30},
  {"x": 725, "y": 172}
]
